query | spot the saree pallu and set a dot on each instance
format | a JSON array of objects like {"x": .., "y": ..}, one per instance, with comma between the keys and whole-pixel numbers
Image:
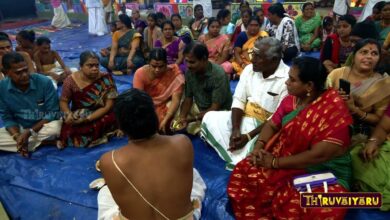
[
  {"x": 197, "y": 27},
  {"x": 306, "y": 30},
  {"x": 84, "y": 103},
  {"x": 247, "y": 49},
  {"x": 120, "y": 60},
  {"x": 371, "y": 95},
  {"x": 373, "y": 176},
  {"x": 383, "y": 32},
  {"x": 173, "y": 50},
  {"x": 185, "y": 34},
  {"x": 261, "y": 193},
  {"x": 216, "y": 47},
  {"x": 161, "y": 89}
]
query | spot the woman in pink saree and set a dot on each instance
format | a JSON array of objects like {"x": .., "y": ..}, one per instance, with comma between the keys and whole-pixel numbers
[{"x": 218, "y": 45}]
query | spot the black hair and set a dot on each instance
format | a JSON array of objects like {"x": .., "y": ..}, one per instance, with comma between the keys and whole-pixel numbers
[
  {"x": 384, "y": 5},
  {"x": 11, "y": 58},
  {"x": 153, "y": 16},
  {"x": 257, "y": 10},
  {"x": 222, "y": 14},
  {"x": 126, "y": 20},
  {"x": 310, "y": 70},
  {"x": 168, "y": 22},
  {"x": 198, "y": 49},
  {"x": 379, "y": 6},
  {"x": 88, "y": 54},
  {"x": 255, "y": 18},
  {"x": 176, "y": 15},
  {"x": 43, "y": 40},
  {"x": 3, "y": 34},
  {"x": 307, "y": 4},
  {"x": 161, "y": 15},
  {"x": 327, "y": 21},
  {"x": 4, "y": 38},
  {"x": 365, "y": 29},
  {"x": 246, "y": 3},
  {"x": 361, "y": 43},
  {"x": 249, "y": 11},
  {"x": 198, "y": 6},
  {"x": 212, "y": 20},
  {"x": 135, "y": 114},
  {"x": 158, "y": 54},
  {"x": 350, "y": 19},
  {"x": 27, "y": 35},
  {"x": 277, "y": 9}
]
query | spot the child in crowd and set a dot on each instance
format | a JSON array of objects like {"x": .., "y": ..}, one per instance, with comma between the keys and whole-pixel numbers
[
  {"x": 26, "y": 42},
  {"x": 327, "y": 27},
  {"x": 49, "y": 62},
  {"x": 224, "y": 16}
]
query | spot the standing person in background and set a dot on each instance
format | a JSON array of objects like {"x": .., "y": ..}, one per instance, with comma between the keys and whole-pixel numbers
[
  {"x": 60, "y": 19},
  {"x": 283, "y": 28},
  {"x": 107, "y": 6},
  {"x": 340, "y": 8},
  {"x": 96, "y": 23},
  {"x": 372, "y": 10}
]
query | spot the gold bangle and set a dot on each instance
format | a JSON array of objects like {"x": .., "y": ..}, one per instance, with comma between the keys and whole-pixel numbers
[
  {"x": 248, "y": 136},
  {"x": 262, "y": 141},
  {"x": 14, "y": 136},
  {"x": 273, "y": 165},
  {"x": 364, "y": 116}
]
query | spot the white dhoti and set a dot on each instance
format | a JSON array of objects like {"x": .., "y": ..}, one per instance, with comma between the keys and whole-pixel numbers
[
  {"x": 258, "y": 98},
  {"x": 341, "y": 7},
  {"x": 108, "y": 209},
  {"x": 60, "y": 19},
  {"x": 57, "y": 69},
  {"x": 96, "y": 21},
  {"x": 216, "y": 130},
  {"x": 49, "y": 131}
]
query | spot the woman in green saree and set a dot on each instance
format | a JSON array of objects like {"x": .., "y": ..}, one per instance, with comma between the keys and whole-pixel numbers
[
  {"x": 371, "y": 163},
  {"x": 126, "y": 54},
  {"x": 308, "y": 26},
  {"x": 383, "y": 25}
]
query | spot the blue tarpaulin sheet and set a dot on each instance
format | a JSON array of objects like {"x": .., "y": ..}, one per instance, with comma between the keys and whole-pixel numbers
[{"x": 53, "y": 184}]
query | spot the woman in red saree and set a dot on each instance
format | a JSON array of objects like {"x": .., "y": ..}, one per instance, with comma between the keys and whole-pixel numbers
[
  {"x": 308, "y": 133},
  {"x": 90, "y": 120},
  {"x": 164, "y": 83}
]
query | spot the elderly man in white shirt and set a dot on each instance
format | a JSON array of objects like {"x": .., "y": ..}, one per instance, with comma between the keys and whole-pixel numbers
[{"x": 260, "y": 90}]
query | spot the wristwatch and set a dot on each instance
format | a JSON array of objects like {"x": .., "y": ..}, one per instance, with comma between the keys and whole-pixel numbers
[{"x": 33, "y": 133}]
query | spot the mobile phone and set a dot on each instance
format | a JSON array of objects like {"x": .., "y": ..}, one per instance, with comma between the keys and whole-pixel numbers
[{"x": 345, "y": 85}]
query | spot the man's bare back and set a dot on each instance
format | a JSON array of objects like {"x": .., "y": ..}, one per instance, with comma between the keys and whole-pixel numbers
[{"x": 160, "y": 168}]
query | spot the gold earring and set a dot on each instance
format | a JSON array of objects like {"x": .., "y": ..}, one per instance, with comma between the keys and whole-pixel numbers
[{"x": 308, "y": 94}]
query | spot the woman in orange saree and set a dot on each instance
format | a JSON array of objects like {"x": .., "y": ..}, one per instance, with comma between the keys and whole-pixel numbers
[
  {"x": 308, "y": 133},
  {"x": 244, "y": 44},
  {"x": 164, "y": 83}
]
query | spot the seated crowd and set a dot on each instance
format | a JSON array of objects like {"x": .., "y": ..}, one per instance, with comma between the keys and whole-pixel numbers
[{"x": 290, "y": 114}]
